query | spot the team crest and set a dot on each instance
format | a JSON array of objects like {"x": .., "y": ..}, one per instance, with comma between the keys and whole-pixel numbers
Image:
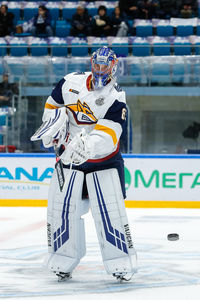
[{"x": 82, "y": 113}]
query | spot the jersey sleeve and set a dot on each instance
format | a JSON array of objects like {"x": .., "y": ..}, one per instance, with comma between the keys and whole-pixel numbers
[
  {"x": 106, "y": 134},
  {"x": 55, "y": 100}
]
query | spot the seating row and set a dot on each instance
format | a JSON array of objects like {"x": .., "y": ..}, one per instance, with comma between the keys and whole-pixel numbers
[{"x": 134, "y": 46}]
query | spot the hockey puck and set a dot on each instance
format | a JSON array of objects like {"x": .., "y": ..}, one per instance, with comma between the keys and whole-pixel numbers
[{"x": 173, "y": 237}]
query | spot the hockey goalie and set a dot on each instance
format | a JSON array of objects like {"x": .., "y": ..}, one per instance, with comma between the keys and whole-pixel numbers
[{"x": 83, "y": 119}]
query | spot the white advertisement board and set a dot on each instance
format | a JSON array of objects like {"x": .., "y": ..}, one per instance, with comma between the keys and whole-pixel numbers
[
  {"x": 163, "y": 178},
  {"x": 26, "y": 177}
]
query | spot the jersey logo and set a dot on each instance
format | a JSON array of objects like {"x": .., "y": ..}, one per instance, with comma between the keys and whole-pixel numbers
[
  {"x": 74, "y": 91},
  {"x": 82, "y": 113}
]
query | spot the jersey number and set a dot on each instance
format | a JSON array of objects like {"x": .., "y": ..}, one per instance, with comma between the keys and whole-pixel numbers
[{"x": 123, "y": 116}]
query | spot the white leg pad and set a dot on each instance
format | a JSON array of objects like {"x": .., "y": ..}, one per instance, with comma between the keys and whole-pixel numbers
[
  {"x": 109, "y": 213},
  {"x": 65, "y": 228}
]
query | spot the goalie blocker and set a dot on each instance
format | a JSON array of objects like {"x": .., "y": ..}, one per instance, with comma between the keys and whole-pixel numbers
[{"x": 66, "y": 236}]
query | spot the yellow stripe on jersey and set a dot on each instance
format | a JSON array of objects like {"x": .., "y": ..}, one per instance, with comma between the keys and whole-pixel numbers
[
  {"x": 50, "y": 106},
  {"x": 108, "y": 131}
]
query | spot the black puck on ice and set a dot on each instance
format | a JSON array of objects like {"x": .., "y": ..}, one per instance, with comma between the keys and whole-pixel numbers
[{"x": 173, "y": 237}]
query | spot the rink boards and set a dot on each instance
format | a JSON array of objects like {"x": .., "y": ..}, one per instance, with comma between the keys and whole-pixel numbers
[{"x": 161, "y": 181}]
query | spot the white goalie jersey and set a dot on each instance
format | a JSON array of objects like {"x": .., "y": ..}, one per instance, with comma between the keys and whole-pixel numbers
[{"x": 100, "y": 112}]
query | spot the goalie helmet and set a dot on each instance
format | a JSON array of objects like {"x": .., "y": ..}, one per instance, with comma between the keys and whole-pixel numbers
[{"x": 104, "y": 66}]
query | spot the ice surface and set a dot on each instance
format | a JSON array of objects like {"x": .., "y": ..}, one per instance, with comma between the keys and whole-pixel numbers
[{"x": 166, "y": 270}]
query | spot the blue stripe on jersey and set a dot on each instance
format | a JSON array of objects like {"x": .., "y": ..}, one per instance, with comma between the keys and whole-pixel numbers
[
  {"x": 114, "y": 113},
  {"x": 57, "y": 92}
]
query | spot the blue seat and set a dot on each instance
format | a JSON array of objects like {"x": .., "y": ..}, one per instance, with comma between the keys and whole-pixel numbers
[
  {"x": 2, "y": 120},
  {"x": 92, "y": 11},
  {"x": 110, "y": 11},
  {"x": 39, "y": 48},
  {"x": 1, "y": 67},
  {"x": 182, "y": 48},
  {"x": 120, "y": 49},
  {"x": 62, "y": 28},
  {"x": 59, "y": 49},
  {"x": 19, "y": 49},
  {"x": 186, "y": 30},
  {"x": 54, "y": 12},
  {"x": 162, "y": 30},
  {"x": 197, "y": 48},
  {"x": 141, "y": 49},
  {"x": 16, "y": 13},
  {"x": 1, "y": 139},
  {"x": 67, "y": 13},
  {"x": 161, "y": 49},
  {"x": 198, "y": 30},
  {"x": 144, "y": 30},
  {"x": 29, "y": 13},
  {"x": 3, "y": 48},
  {"x": 79, "y": 48}
]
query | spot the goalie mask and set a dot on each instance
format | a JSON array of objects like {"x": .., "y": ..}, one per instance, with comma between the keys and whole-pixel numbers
[{"x": 104, "y": 66}]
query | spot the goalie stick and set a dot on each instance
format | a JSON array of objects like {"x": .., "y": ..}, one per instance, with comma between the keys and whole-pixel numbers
[{"x": 59, "y": 168}]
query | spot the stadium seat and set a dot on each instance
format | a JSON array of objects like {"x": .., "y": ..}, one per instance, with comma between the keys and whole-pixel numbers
[
  {"x": 162, "y": 30},
  {"x": 120, "y": 46},
  {"x": 182, "y": 46},
  {"x": 141, "y": 47},
  {"x": 62, "y": 28},
  {"x": 1, "y": 67},
  {"x": 92, "y": 11},
  {"x": 58, "y": 47},
  {"x": 54, "y": 12},
  {"x": 67, "y": 13},
  {"x": 1, "y": 139},
  {"x": 160, "y": 46},
  {"x": 2, "y": 120},
  {"x": 79, "y": 47},
  {"x": 198, "y": 30},
  {"x": 3, "y": 47},
  {"x": 144, "y": 31},
  {"x": 16, "y": 12},
  {"x": 38, "y": 47},
  {"x": 29, "y": 13},
  {"x": 186, "y": 30},
  {"x": 18, "y": 47}
]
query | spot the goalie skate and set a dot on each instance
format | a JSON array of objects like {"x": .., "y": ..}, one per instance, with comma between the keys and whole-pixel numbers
[
  {"x": 122, "y": 276},
  {"x": 63, "y": 276}
]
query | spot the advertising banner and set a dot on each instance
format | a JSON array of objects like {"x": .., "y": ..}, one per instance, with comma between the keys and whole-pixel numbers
[
  {"x": 24, "y": 179},
  {"x": 173, "y": 180},
  {"x": 151, "y": 181}
]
